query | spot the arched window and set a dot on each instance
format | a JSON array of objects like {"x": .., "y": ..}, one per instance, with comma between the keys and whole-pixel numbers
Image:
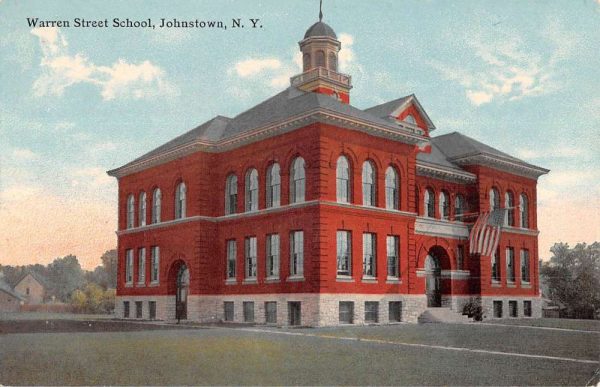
[
  {"x": 332, "y": 61},
  {"x": 368, "y": 184},
  {"x": 252, "y": 190},
  {"x": 156, "y": 205},
  {"x": 306, "y": 62},
  {"x": 391, "y": 189},
  {"x": 444, "y": 205},
  {"x": 180, "y": 201},
  {"x": 320, "y": 59},
  {"x": 142, "y": 214},
  {"x": 231, "y": 195},
  {"x": 343, "y": 180},
  {"x": 494, "y": 199},
  {"x": 429, "y": 202},
  {"x": 524, "y": 209},
  {"x": 297, "y": 180},
  {"x": 459, "y": 207},
  {"x": 130, "y": 211},
  {"x": 509, "y": 204},
  {"x": 273, "y": 186},
  {"x": 410, "y": 119}
]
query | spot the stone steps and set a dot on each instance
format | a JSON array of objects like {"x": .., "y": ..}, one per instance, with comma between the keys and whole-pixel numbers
[{"x": 442, "y": 315}]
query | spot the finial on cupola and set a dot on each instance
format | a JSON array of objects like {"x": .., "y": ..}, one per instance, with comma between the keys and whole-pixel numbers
[{"x": 321, "y": 10}]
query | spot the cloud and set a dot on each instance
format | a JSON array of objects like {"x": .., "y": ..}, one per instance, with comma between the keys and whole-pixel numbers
[
  {"x": 24, "y": 154},
  {"x": 32, "y": 231},
  {"x": 61, "y": 70},
  {"x": 503, "y": 66},
  {"x": 94, "y": 177},
  {"x": 250, "y": 67},
  {"x": 553, "y": 151}
]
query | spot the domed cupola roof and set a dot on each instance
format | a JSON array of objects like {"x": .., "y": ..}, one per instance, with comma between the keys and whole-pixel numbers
[{"x": 320, "y": 29}]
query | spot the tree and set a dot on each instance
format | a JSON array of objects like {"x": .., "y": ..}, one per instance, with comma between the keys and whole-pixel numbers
[
  {"x": 109, "y": 265},
  {"x": 65, "y": 275},
  {"x": 573, "y": 278}
]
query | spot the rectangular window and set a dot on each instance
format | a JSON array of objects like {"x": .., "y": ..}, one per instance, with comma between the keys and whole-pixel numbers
[
  {"x": 525, "y": 266},
  {"x": 297, "y": 253},
  {"x": 248, "y": 311},
  {"x": 498, "y": 309},
  {"x": 271, "y": 312},
  {"x": 142, "y": 266},
  {"x": 138, "y": 309},
  {"x": 496, "y": 266},
  {"x": 371, "y": 312},
  {"x": 510, "y": 264},
  {"x": 152, "y": 310},
  {"x": 129, "y": 266},
  {"x": 251, "y": 257},
  {"x": 125, "y": 309},
  {"x": 273, "y": 256},
  {"x": 395, "y": 311},
  {"x": 393, "y": 259},
  {"x": 294, "y": 313},
  {"x": 527, "y": 308},
  {"x": 344, "y": 259},
  {"x": 346, "y": 312},
  {"x": 460, "y": 257},
  {"x": 231, "y": 258},
  {"x": 155, "y": 264},
  {"x": 512, "y": 309},
  {"x": 228, "y": 310},
  {"x": 369, "y": 257}
]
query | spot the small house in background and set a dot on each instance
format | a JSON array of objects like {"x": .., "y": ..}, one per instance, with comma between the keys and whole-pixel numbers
[
  {"x": 10, "y": 301},
  {"x": 31, "y": 286}
]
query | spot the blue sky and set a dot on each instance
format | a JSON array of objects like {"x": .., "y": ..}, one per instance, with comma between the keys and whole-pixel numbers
[{"x": 520, "y": 76}]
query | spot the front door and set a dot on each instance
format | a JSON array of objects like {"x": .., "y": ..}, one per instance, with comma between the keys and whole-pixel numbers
[
  {"x": 183, "y": 284},
  {"x": 294, "y": 313},
  {"x": 433, "y": 273}
]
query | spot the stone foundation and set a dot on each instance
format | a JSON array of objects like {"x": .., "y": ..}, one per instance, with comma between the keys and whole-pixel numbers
[{"x": 487, "y": 304}]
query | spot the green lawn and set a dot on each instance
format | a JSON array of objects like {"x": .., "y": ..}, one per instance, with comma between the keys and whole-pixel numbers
[
  {"x": 565, "y": 323},
  {"x": 268, "y": 357}
]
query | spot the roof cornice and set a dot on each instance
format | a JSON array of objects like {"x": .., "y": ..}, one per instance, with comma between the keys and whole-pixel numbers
[
  {"x": 513, "y": 166},
  {"x": 444, "y": 173},
  {"x": 316, "y": 115}
]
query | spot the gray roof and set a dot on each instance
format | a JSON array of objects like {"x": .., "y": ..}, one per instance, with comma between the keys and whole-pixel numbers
[
  {"x": 387, "y": 108},
  {"x": 320, "y": 29},
  {"x": 39, "y": 278},
  {"x": 456, "y": 145},
  {"x": 288, "y": 103},
  {"x": 6, "y": 288},
  {"x": 437, "y": 157}
]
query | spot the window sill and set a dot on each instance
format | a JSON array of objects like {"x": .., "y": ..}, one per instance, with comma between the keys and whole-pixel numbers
[
  {"x": 250, "y": 281},
  {"x": 271, "y": 280},
  {"x": 526, "y": 285},
  {"x": 295, "y": 278},
  {"x": 129, "y": 284},
  {"x": 369, "y": 280},
  {"x": 393, "y": 280},
  {"x": 231, "y": 281},
  {"x": 344, "y": 278},
  {"x": 496, "y": 284},
  {"x": 154, "y": 284},
  {"x": 140, "y": 285},
  {"x": 511, "y": 285}
]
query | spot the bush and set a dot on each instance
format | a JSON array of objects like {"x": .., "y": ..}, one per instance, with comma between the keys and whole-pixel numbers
[
  {"x": 473, "y": 309},
  {"x": 93, "y": 299}
]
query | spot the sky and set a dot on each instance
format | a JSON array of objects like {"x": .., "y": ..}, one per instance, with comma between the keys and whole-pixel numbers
[{"x": 520, "y": 76}]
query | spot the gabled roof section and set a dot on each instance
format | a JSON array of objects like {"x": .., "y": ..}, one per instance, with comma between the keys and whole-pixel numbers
[
  {"x": 6, "y": 288},
  {"x": 436, "y": 164},
  {"x": 281, "y": 109},
  {"x": 463, "y": 150},
  {"x": 41, "y": 280},
  {"x": 393, "y": 109}
]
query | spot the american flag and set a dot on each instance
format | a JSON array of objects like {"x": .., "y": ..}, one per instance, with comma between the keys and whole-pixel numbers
[{"x": 485, "y": 233}]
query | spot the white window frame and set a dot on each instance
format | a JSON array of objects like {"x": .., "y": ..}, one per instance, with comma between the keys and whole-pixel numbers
[
  {"x": 251, "y": 190},
  {"x": 156, "y": 205},
  {"x": 180, "y": 201},
  {"x": 344, "y": 253},
  {"x": 429, "y": 203},
  {"x": 369, "y": 255},
  {"x": 342, "y": 180},
  {"x": 494, "y": 198},
  {"x": 509, "y": 204},
  {"x": 231, "y": 269},
  {"x": 231, "y": 193},
  {"x": 392, "y": 189},
  {"x": 141, "y": 266},
  {"x": 298, "y": 181},
  {"x": 495, "y": 261},
  {"x": 523, "y": 211},
  {"x": 393, "y": 256},
  {"x": 525, "y": 265},
  {"x": 444, "y": 205},
  {"x": 510, "y": 262},
  {"x": 130, "y": 211},
  {"x": 250, "y": 244},
  {"x": 129, "y": 266},
  {"x": 369, "y": 184},
  {"x": 273, "y": 253},
  {"x": 155, "y": 265},
  {"x": 459, "y": 208},
  {"x": 142, "y": 210},
  {"x": 274, "y": 186},
  {"x": 297, "y": 254}
]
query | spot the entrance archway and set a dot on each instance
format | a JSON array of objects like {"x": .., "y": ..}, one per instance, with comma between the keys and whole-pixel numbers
[{"x": 433, "y": 283}]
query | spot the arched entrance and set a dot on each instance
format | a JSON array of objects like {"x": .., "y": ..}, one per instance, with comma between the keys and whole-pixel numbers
[
  {"x": 181, "y": 293},
  {"x": 433, "y": 283}
]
